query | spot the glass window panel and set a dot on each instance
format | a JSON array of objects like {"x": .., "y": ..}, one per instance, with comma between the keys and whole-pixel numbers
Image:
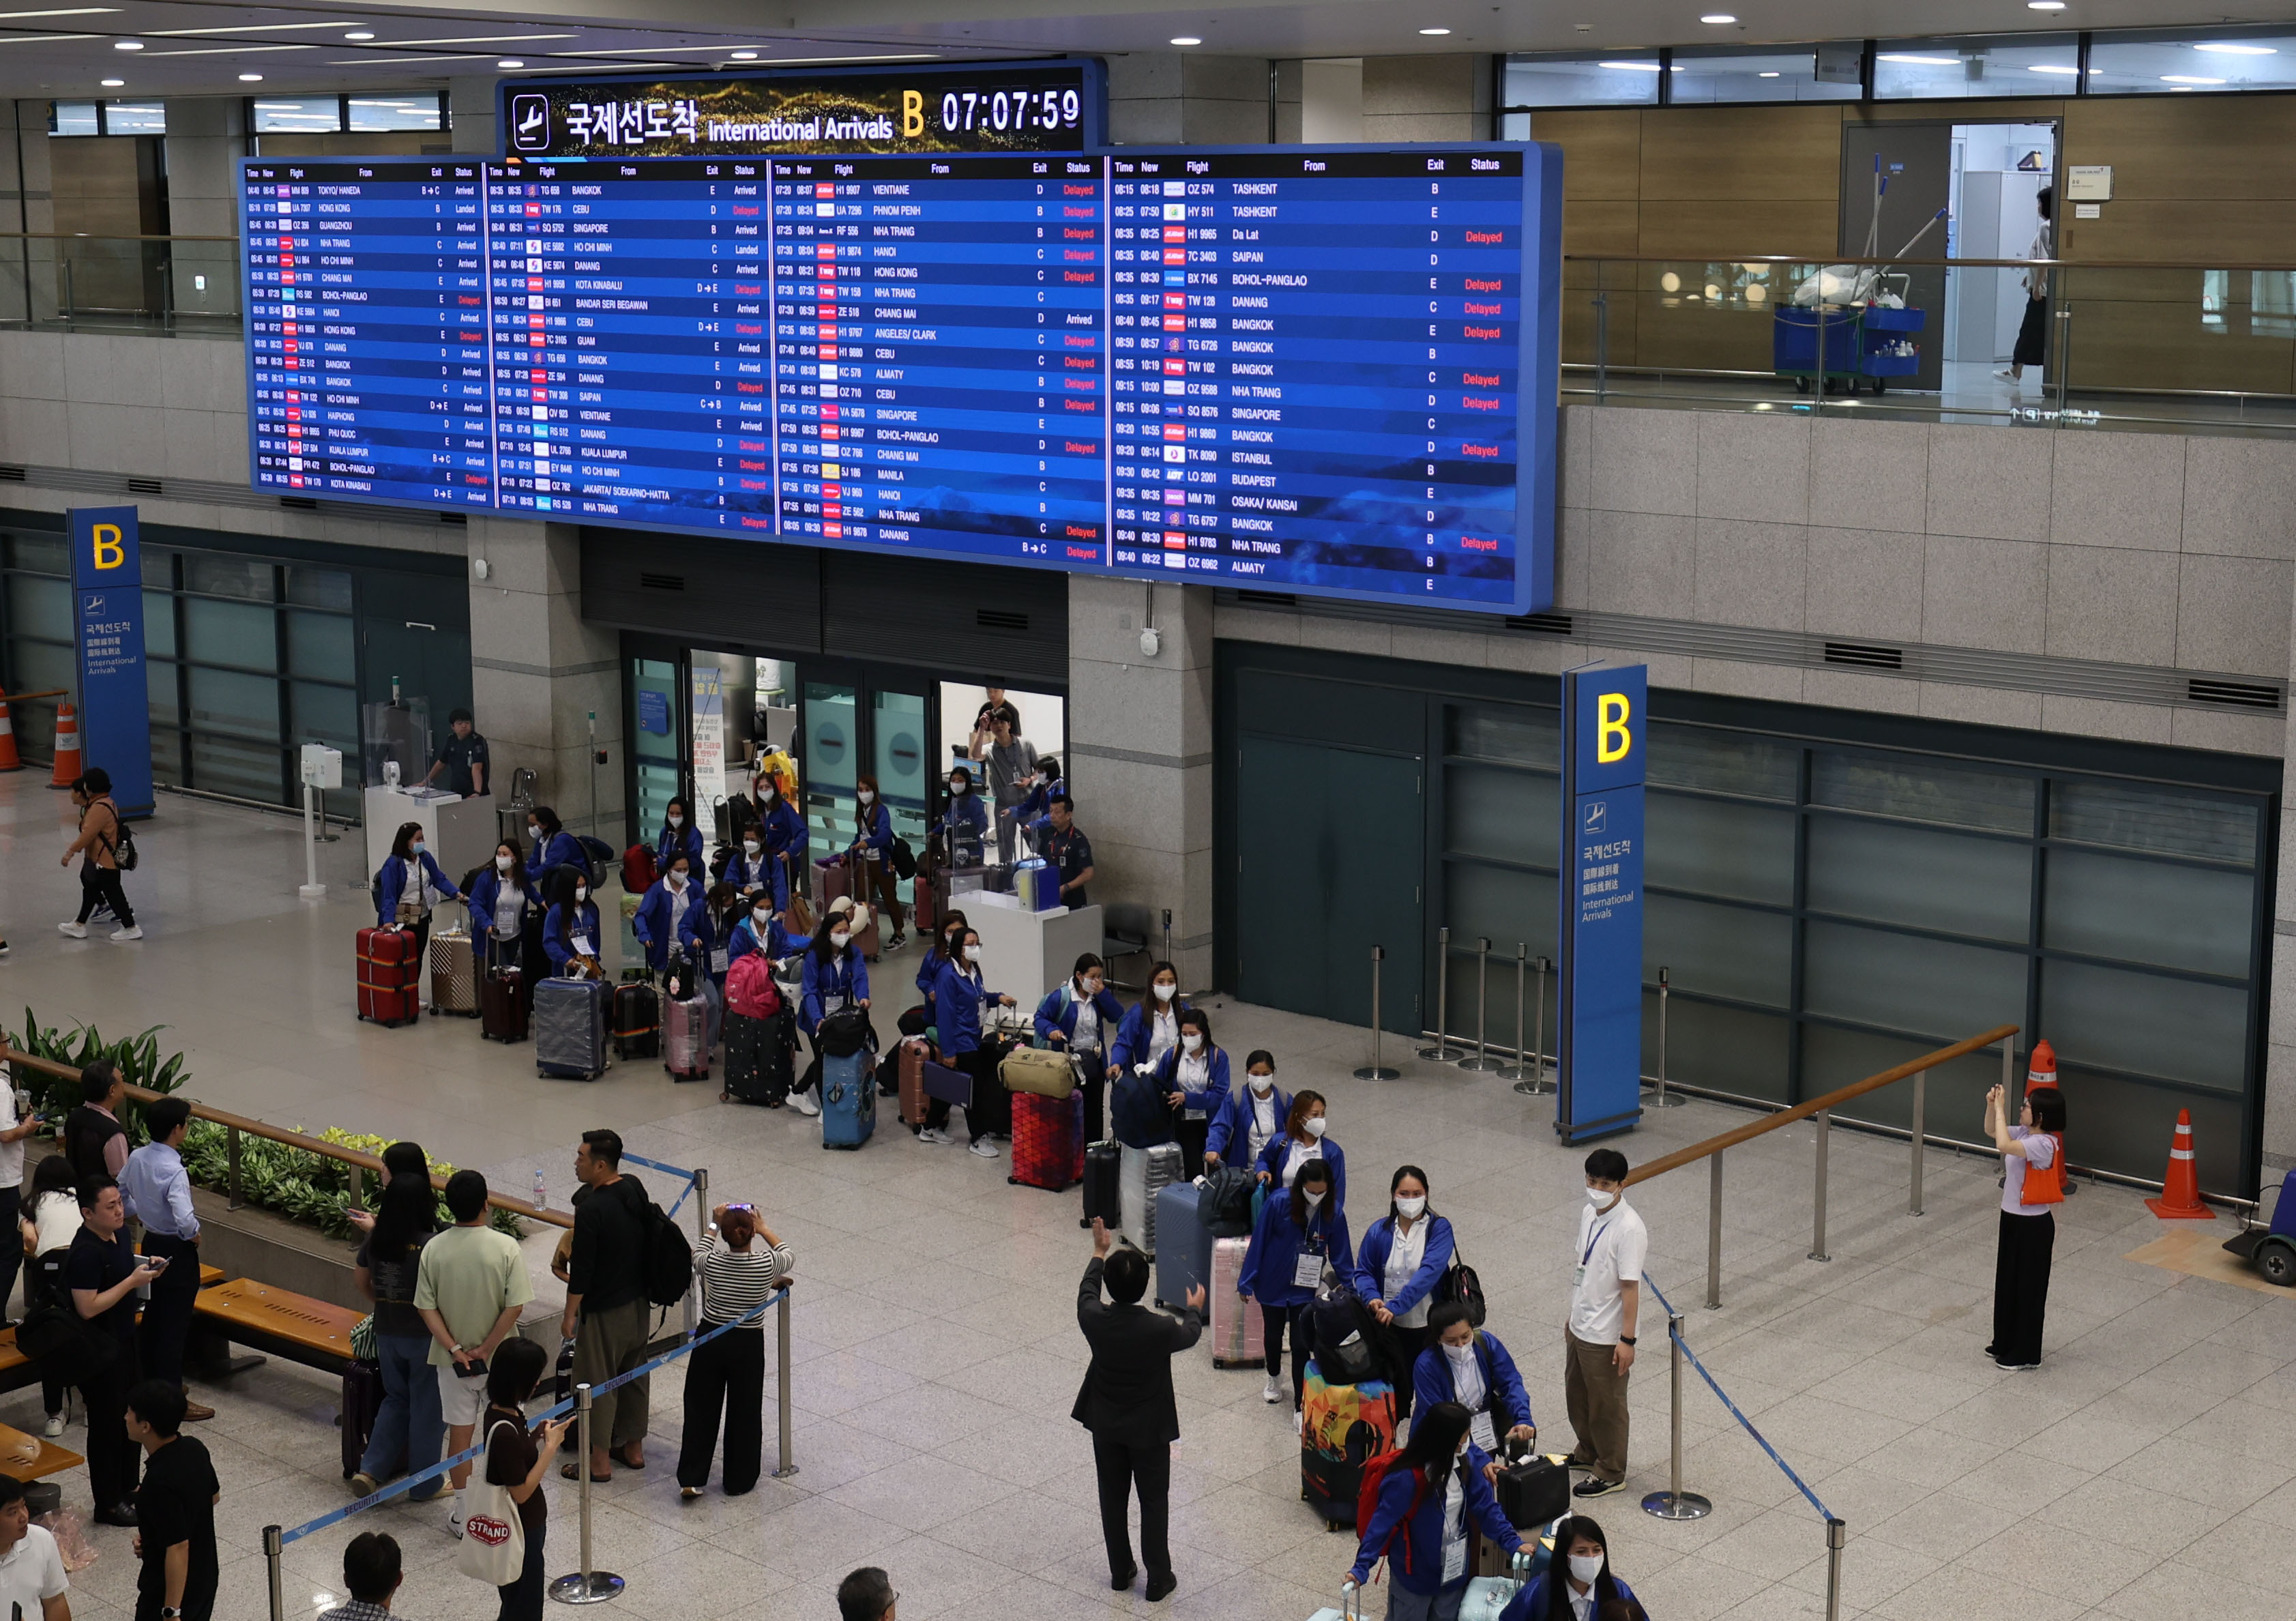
[
  {"x": 1724, "y": 762},
  {"x": 319, "y": 588},
  {"x": 1954, "y": 1106},
  {"x": 73, "y": 119},
  {"x": 1922, "y": 790},
  {"x": 1934, "y": 987},
  {"x": 417, "y": 110},
  {"x": 2197, "y": 918},
  {"x": 40, "y": 607},
  {"x": 1718, "y": 848},
  {"x": 1722, "y": 950},
  {"x": 245, "y": 578},
  {"x": 2152, "y": 64},
  {"x": 2142, "y": 815},
  {"x": 327, "y": 714},
  {"x": 2123, "y": 1019},
  {"x": 1525, "y": 737},
  {"x": 224, "y": 701},
  {"x": 1512, "y": 815},
  {"x": 322, "y": 645},
  {"x": 164, "y": 704},
  {"x": 1916, "y": 876},
  {"x": 2027, "y": 64},
  {"x": 1760, "y": 75},
  {"x": 159, "y": 623},
  {"x": 300, "y": 114},
  {"x": 231, "y": 633},
  {"x": 38, "y": 667},
  {"x": 2114, "y": 1124},
  {"x": 1606, "y": 79},
  {"x": 159, "y": 567},
  {"x": 246, "y": 769},
  {"x": 39, "y": 554},
  {"x": 135, "y": 118},
  {"x": 1503, "y": 905},
  {"x": 1724, "y": 1050},
  {"x": 168, "y": 758}
]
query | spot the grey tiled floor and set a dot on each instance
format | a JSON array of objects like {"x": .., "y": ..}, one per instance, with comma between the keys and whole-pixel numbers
[{"x": 2148, "y": 1463}]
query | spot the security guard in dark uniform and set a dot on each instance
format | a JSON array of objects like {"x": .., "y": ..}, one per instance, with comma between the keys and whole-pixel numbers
[
  {"x": 1069, "y": 851},
  {"x": 462, "y": 757}
]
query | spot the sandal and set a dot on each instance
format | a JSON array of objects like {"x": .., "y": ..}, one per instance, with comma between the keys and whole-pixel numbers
[{"x": 567, "y": 1472}]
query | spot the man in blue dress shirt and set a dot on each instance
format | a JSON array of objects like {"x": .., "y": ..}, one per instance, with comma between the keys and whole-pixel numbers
[{"x": 157, "y": 1192}]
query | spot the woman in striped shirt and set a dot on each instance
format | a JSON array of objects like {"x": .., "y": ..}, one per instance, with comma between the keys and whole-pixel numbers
[{"x": 739, "y": 1275}]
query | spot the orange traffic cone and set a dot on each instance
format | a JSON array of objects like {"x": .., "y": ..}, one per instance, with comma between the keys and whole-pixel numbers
[
  {"x": 2043, "y": 1069},
  {"x": 8, "y": 759},
  {"x": 2180, "y": 1191},
  {"x": 68, "y": 766}
]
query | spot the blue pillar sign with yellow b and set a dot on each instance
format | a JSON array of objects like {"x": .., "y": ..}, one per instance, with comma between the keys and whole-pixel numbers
[
  {"x": 115, "y": 715},
  {"x": 1599, "y": 1046}
]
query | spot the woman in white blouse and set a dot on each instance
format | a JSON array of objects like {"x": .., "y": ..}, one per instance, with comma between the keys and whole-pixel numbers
[
  {"x": 727, "y": 1375},
  {"x": 1403, "y": 1256}
]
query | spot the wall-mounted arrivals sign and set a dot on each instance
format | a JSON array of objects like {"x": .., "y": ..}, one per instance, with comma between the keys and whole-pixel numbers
[
  {"x": 1599, "y": 1047},
  {"x": 115, "y": 715}
]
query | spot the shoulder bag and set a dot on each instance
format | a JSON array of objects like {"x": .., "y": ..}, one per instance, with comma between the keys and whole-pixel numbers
[{"x": 493, "y": 1549}]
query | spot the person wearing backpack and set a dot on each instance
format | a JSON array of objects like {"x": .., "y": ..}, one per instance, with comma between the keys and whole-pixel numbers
[
  {"x": 1300, "y": 1231},
  {"x": 104, "y": 849},
  {"x": 1080, "y": 1016},
  {"x": 1414, "y": 1510},
  {"x": 1405, "y": 1255},
  {"x": 608, "y": 1308},
  {"x": 836, "y": 976}
]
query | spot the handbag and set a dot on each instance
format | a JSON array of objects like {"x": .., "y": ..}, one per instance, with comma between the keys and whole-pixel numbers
[
  {"x": 363, "y": 1346},
  {"x": 905, "y": 859},
  {"x": 1460, "y": 1283},
  {"x": 493, "y": 1549}
]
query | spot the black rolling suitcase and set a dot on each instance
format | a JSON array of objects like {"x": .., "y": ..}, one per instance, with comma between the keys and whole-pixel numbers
[
  {"x": 1099, "y": 1193},
  {"x": 758, "y": 1064}
]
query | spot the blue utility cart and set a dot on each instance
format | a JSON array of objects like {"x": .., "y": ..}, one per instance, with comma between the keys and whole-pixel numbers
[
  {"x": 1855, "y": 342},
  {"x": 2273, "y": 1248}
]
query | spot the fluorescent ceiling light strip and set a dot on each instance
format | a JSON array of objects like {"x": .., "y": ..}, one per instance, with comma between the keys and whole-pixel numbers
[
  {"x": 475, "y": 39},
  {"x": 236, "y": 50},
  {"x": 762, "y": 61},
  {"x": 385, "y": 60},
  {"x": 251, "y": 28},
  {"x": 74, "y": 10},
  {"x": 1919, "y": 61},
  {"x": 42, "y": 38}
]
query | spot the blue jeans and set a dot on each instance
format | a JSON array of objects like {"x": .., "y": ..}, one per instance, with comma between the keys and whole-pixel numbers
[{"x": 409, "y": 1420}]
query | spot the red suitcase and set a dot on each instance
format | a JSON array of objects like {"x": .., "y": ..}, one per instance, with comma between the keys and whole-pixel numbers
[
  {"x": 1237, "y": 1334},
  {"x": 389, "y": 977},
  {"x": 1047, "y": 1141}
]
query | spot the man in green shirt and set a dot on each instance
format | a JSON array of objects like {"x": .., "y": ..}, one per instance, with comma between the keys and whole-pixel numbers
[{"x": 469, "y": 1287}]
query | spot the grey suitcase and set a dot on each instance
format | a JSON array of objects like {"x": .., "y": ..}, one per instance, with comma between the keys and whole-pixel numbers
[
  {"x": 454, "y": 973},
  {"x": 569, "y": 1027},
  {"x": 1141, "y": 1174}
]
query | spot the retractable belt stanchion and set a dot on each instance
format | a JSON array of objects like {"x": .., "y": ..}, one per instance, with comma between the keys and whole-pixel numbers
[
  {"x": 1483, "y": 1060},
  {"x": 1663, "y": 1098},
  {"x": 1522, "y": 1065},
  {"x": 781, "y": 1347},
  {"x": 272, "y": 1550},
  {"x": 586, "y": 1585},
  {"x": 1374, "y": 1070},
  {"x": 1537, "y": 1083},
  {"x": 1675, "y": 1503},
  {"x": 1442, "y": 1052}
]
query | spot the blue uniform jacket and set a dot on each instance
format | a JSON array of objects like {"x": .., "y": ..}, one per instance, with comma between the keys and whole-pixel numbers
[
  {"x": 1233, "y": 1123},
  {"x": 1032, "y": 810},
  {"x": 394, "y": 885},
  {"x": 1415, "y": 1557},
  {"x": 1214, "y": 1090},
  {"x": 1530, "y": 1604},
  {"x": 1132, "y": 1041},
  {"x": 486, "y": 894},
  {"x": 779, "y": 941},
  {"x": 956, "y": 1008},
  {"x": 1058, "y": 1011},
  {"x": 1371, "y": 1263},
  {"x": 965, "y": 821},
  {"x": 1272, "y": 1157},
  {"x": 685, "y": 841},
  {"x": 848, "y": 977},
  {"x": 585, "y": 922},
  {"x": 562, "y": 849},
  {"x": 746, "y": 874},
  {"x": 1274, "y": 1254},
  {"x": 1503, "y": 1391},
  {"x": 784, "y": 831},
  {"x": 876, "y": 828},
  {"x": 651, "y": 924}
]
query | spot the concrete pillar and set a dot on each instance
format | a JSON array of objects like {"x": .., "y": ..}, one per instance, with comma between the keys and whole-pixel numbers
[
  {"x": 537, "y": 673},
  {"x": 1140, "y": 755},
  {"x": 2279, "y": 1132},
  {"x": 1169, "y": 98},
  {"x": 206, "y": 137},
  {"x": 1427, "y": 98},
  {"x": 1332, "y": 101},
  {"x": 470, "y": 111},
  {"x": 28, "y": 269}
]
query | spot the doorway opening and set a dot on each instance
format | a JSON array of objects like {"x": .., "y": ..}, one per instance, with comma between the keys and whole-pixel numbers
[{"x": 1999, "y": 171}]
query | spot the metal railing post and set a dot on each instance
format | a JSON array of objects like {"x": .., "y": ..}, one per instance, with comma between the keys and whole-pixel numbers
[
  {"x": 701, "y": 1206},
  {"x": 1483, "y": 1060},
  {"x": 1675, "y": 1503},
  {"x": 1714, "y": 1232},
  {"x": 1824, "y": 1118},
  {"x": 273, "y": 1549},
  {"x": 1663, "y": 1098},
  {"x": 1442, "y": 1052},
  {"x": 1520, "y": 1067},
  {"x": 1920, "y": 1140},
  {"x": 1374, "y": 1070},
  {"x": 1837, "y": 1535},
  {"x": 231, "y": 1143},
  {"x": 2064, "y": 350},
  {"x": 1537, "y": 1084},
  {"x": 787, "y": 1466},
  {"x": 586, "y": 1585}
]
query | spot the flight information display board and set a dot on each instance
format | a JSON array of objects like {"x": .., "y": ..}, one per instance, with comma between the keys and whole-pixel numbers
[{"x": 1326, "y": 371}]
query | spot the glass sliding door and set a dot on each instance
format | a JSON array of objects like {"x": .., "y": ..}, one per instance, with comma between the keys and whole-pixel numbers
[
  {"x": 900, "y": 760},
  {"x": 657, "y": 732},
  {"x": 831, "y": 761}
]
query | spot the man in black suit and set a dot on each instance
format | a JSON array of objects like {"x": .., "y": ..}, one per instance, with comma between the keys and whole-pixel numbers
[{"x": 1127, "y": 1403}]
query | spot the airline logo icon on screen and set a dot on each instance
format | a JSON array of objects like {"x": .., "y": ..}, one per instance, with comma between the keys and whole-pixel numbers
[{"x": 529, "y": 122}]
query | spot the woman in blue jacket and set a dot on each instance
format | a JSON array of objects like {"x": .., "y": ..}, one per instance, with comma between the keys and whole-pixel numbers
[
  {"x": 835, "y": 976},
  {"x": 1301, "y": 1140},
  {"x": 570, "y": 928},
  {"x": 673, "y": 919},
  {"x": 506, "y": 914},
  {"x": 946, "y": 933},
  {"x": 872, "y": 846},
  {"x": 556, "y": 849},
  {"x": 957, "y": 998},
  {"x": 1153, "y": 1027},
  {"x": 1252, "y": 1114},
  {"x": 1427, "y": 1499},
  {"x": 1471, "y": 1368},
  {"x": 1196, "y": 1073},
  {"x": 964, "y": 823},
  {"x": 1404, "y": 1256},
  {"x": 783, "y": 834},
  {"x": 749, "y": 869},
  {"x": 1580, "y": 1570},
  {"x": 1298, "y": 1235},
  {"x": 1080, "y": 1016},
  {"x": 410, "y": 882},
  {"x": 761, "y": 926},
  {"x": 678, "y": 835}
]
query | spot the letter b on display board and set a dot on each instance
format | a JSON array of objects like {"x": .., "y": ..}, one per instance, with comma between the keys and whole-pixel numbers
[
  {"x": 115, "y": 718},
  {"x": 1599, "y": 1046}
]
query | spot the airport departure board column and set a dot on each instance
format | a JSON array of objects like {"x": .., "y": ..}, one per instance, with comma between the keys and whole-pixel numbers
[
  {"x": 940, "y": 341},
  {"x": 1317, "y": 363},
  {"x": 366, "y": 316}
]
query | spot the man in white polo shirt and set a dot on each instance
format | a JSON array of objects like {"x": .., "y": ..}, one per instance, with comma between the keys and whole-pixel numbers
[
  {"x": 1599, "y": 1344},
  {"x": 32, "y": 1570}
]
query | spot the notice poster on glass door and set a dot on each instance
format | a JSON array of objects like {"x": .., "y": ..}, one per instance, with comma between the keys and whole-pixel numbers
[{"x": 709, "y": 725}]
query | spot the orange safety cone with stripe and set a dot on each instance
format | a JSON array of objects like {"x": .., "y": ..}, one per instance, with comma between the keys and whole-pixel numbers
[
  {"x": 9, "y": 761},
  {"x": 2042, "y": 1071},
  {"x": 67, "y": 765},
  {"x": 2180, "y": 1191}
]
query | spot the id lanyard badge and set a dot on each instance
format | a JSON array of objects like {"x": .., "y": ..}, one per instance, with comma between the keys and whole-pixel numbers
[
  {"x": 1482, "y": 1432},
  {"x": 1307, "y": 1270},
  {"x": 1580, "y": 1278}
]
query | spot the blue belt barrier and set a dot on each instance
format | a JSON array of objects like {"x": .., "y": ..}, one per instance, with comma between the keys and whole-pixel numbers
[
  {"x": 1722, "y": 1397},
  {"x": 655, "y": 1164},
  {"x": 407, "y": 1482}
]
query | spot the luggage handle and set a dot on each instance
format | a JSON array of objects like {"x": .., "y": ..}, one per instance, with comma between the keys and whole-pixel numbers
[{"x": 1350, "y": 1601}]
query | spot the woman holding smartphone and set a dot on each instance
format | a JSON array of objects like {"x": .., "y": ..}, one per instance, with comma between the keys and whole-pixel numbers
[
  {"x": 727, "y": 1375},
  {"x": 517, "y": 1460}
]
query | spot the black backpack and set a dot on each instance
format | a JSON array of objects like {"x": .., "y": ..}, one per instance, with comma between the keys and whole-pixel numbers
[
  {"x": 844, "y": 1033},
  {"x": 669, "y": 1259},
  {"x": 905, "y": 859}
]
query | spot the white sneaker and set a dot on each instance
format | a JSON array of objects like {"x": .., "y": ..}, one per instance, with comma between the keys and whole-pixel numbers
[
  {"x": 803, "y": 1103},
  {"x": 1274, "y": 1390},
  {"x": 77, "y": 931},
  {"x": 455, "y": 1516},
  {"x": 927, "y": 1134},
  {"x": 54, "y": 1426},
  {"x": 1298, "y": 1422},
  {"x": 983, "y": 1148},
  {"x": 128, "y": 933}
]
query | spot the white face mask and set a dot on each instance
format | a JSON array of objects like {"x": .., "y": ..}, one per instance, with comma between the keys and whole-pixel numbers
[
  {"x": 1314, "y": 1127},
  {"x": 504, "y": 863},
  {"x": 1165, "y": 993},
  {"x": 762, "y": 917},
  {"x": 868, "y": 797},
  {"x": 972, "y": 953},
  {"x": 1461, "y": 1354},
  {"x": 751, "y": 847},
  {"x": 1585, "y": 1566},
  {"x": 1261, "y": 1085},
  {"x": 840, "y": 939},
  {"x": 1191, "y": 1041},
  {"x": 1314, "y": 1199},
  {"x": 534, "y": 833},
  {"x": 580, "y": 894},
  {"x": 1090, "y": 988},
  {"x": 958, "y": 787},
  {"x": 1413, "y": 1208},
  {"x": 677, "y": 821},
  {"x": 1600, "y": 1198},
  {"x": 677, "y": 880}
]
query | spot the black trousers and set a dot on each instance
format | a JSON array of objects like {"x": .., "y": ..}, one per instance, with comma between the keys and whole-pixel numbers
[
  {"x": 521, "y": 1600},
  {"x": 2021, "y": 1287},
  {"x": 1192, "y": 1134},
  {"x": 1094, "y": 1065},
  {"x": 729, "y": 1373},
  {"x": 2032, "y": 333},
  {"x": 1272, "y": 1319},
  {"x": 103, "y": 883},
  {"x": 1124, "y": 1470},
  {"x": 991, "y": 1108},
  {"x": 111, "y": 1457},
  {"x": 199, "y": 1602},
  {"x": 166, "y": 1322},
  {"x": 1408, "y": 1344}
]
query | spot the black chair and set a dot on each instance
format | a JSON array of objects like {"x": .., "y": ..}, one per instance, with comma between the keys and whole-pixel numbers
[{"x": 1125, "y": 931}]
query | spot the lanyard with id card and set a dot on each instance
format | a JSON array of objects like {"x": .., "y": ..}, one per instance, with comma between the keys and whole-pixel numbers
[
  {"x": 1483, "y": 1433},
  {"x": 1580, "y": 1277},
  {"x": 1307, "y": 1270}
]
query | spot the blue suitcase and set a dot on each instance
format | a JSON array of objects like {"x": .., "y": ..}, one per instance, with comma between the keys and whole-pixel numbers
[
  {"x": 1184, "y": 1245},
  {"x": 848, "y": 1099}
]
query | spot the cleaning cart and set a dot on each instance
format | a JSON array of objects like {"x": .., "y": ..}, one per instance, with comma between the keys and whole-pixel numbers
[{"x": 1842, "y": 345}]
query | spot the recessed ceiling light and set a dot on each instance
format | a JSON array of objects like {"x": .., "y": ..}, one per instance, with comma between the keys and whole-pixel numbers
[
  {"x": 510, "y": 62},
  {"x": 2044, "y": 6},
  {"x": 1630, "y": 67},
  {"x": 1919, "y": 61},
  {"x": 251, "y": 79},
  {"x": 1771, "y": 73},
  {"x": 2050, "y": 66},
  {"x": 2238, "y": 50},
  {"x": 745, "y": 56},
  {"x": 127, "y": 45},
  {"x": 357, "y": 33},
  {"x": 1185, "y": 39},
  {"x": 113, "y": 83},
  {"x": 1718, "y": 18},
  {"x": 2187, "y": 79},
  {"x": 1435, "y": 32}
]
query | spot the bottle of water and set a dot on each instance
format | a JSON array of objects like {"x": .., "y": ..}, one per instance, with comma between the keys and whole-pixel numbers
[{"x": 541, "y": 1192}]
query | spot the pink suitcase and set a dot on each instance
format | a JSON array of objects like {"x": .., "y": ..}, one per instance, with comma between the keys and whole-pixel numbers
[{"x": 1237, "y": 1338}]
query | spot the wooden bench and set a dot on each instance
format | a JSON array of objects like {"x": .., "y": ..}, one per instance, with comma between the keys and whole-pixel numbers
[
  {"x": 290, "y": 1325},
  {"x": 31, "y": 1457},
  {"x": 18, "y": 1369}
]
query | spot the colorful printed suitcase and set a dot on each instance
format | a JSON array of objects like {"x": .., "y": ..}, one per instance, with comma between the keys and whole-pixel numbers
[
  {"x": 1238, "y": 1336},
  {"x": 848, "y": 1099},
  {"x": 1047, "y": 1141},
  {"x": 1184, "y": 1245},
  {"x": 1342, "y": 1427},
  {"x": 389, "y": 978},
  {"x": 569, "y": 1027}
]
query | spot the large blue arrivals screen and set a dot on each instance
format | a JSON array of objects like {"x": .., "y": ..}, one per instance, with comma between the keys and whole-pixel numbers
[{"x": 1325, "y": 371}]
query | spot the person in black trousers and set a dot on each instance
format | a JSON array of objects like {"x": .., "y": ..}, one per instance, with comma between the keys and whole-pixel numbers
[
  {"x": 103, "y": 1275},
  {"x": 1127, "y": 1403},
  {"x": 174, "y": 1509},
  {"x": 728, "y": 1374}
]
